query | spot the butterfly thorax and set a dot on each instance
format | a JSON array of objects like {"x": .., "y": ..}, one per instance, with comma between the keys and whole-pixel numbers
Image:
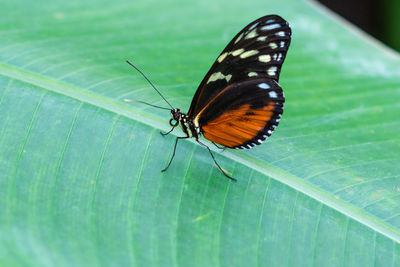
[{"x": 188, "y": 126}]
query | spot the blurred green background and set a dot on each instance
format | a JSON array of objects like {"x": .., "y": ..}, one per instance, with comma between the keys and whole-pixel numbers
[{"x": 378, "y": 18}]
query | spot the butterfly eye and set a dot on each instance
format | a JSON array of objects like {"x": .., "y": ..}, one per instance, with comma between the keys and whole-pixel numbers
[{"x": 173, "y": 122}]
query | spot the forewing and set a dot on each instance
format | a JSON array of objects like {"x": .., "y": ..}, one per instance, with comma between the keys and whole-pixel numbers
[
  {"x": 243, "y": 114},
  {"x": 257, "y": 51}
]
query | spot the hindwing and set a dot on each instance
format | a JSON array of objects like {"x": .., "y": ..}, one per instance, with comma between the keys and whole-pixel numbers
[{"x": 243, "y": 114}]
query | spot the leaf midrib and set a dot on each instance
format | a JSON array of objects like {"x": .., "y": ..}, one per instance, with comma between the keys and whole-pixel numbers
[{"x": 284, "y": 177}]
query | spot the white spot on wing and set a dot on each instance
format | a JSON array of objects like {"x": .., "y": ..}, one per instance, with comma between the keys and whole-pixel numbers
[
  {"x": 270, "y": 27},
  {"x": 253, "y": 26},
  {"x": 269, "y": 132},
  {"x": 264, "y": 58},
  {"x": 237, "y": 52},
  {"x": 222, "y": 57},
  {"x": 239, "y": 37},
  {"x": 252, "y": 74},
  {"x": 262, "y": 38},
  {"x": 218, "y": 76},
  {"x": 249, "y": 53},
  {"x": 282, "y": 44},
  {"x": 272, "y": 71},
  {"x": 264, "y": 86},
  {"x": 273, "y": 94},
  {"x": 251, "y": 34},
  {"x": 273, "y": 45},
  {"x": 280, "y": 34}
]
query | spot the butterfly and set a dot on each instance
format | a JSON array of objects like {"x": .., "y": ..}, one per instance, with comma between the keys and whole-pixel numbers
[{"x": 239, "y": 102}]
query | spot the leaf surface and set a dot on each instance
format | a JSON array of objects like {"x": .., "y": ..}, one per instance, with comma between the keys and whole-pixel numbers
[{"x": 80, "y": 180}]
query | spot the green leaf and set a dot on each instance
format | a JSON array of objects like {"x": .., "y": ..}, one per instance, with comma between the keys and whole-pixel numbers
[{"x": 80, "y": 180}]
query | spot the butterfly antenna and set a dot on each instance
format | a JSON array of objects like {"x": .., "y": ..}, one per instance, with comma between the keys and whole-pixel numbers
[
  {"x": 132, "y": 100},
  {"x": 147, "y": 79}
]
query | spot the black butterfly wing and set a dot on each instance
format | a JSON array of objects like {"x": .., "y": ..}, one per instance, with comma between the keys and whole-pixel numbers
[
  {"x": 243, "y": 114},
  {"x": 257, "y": 51}
]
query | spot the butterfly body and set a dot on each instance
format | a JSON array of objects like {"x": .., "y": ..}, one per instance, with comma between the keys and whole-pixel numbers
[{"x": 188, "y": 126}]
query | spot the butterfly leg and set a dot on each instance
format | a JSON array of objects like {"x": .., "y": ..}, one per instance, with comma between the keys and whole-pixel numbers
[
  {"x": 222, "y": 148},
  {"x": 216, "y": 163},
  {"x": 164, "y": 134},
  {"x": 173, "y": 154}
]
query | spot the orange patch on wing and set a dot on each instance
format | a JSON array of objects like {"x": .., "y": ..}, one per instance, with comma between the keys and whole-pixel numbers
[{"x": 238, "y": 126}]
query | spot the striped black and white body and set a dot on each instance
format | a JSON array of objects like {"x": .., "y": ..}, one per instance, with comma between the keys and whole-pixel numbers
[{"x": 189, "y": 127}]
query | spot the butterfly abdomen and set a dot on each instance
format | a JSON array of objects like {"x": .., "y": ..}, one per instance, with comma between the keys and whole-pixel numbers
[{"x": 189, "y": 127}]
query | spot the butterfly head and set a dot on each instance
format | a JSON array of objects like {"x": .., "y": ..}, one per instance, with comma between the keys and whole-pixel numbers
[{"x": 176, "y": 114}]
